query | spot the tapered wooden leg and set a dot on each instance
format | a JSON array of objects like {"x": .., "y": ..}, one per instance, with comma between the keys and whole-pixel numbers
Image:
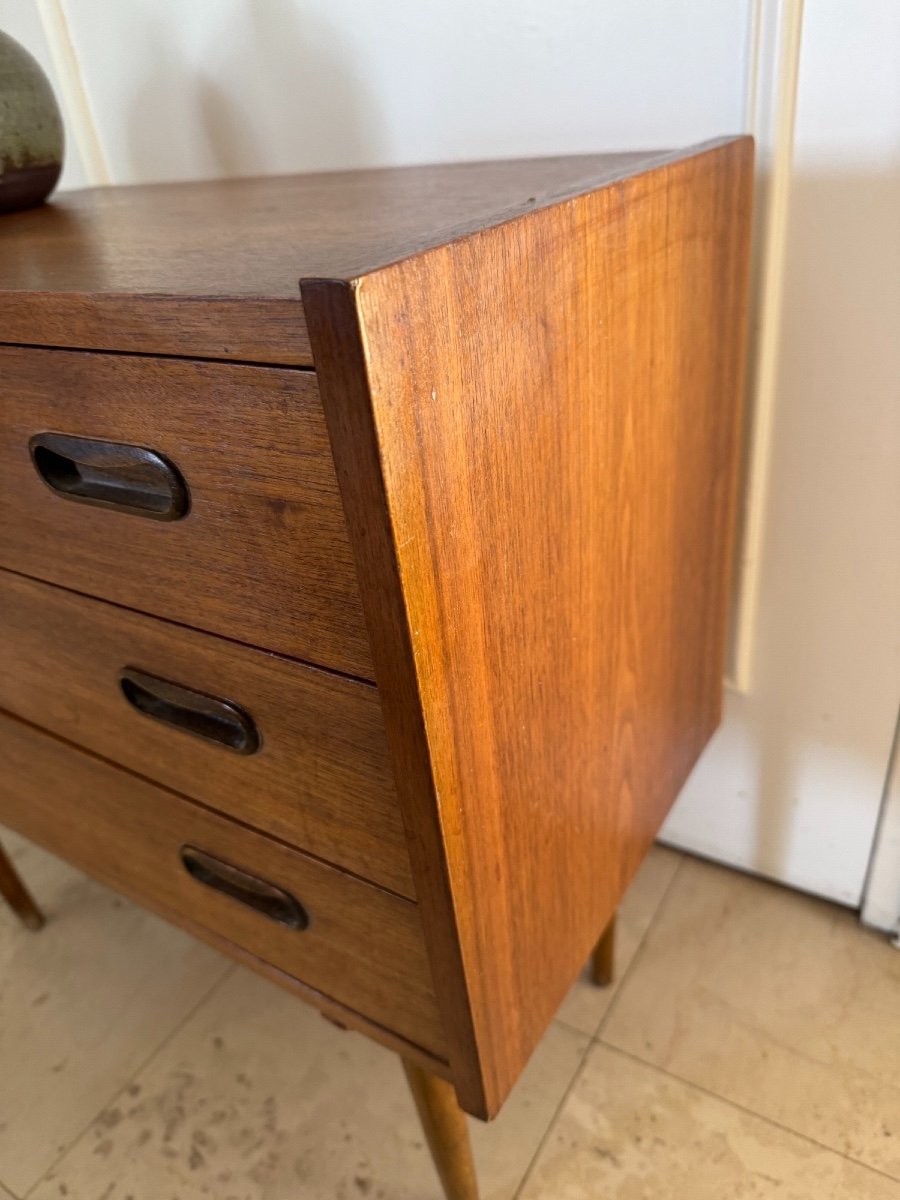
[
  {"x": 17, "y": 896},
  {"x": 446, "y": 1132},
  {"x": 604, "y": 953}
]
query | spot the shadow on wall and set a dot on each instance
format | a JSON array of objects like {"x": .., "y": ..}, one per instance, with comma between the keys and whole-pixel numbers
[
  {"x": 791, "y": 785},
  {"x": 827, "y": 648},
  {"x": 274, "y": 93}
]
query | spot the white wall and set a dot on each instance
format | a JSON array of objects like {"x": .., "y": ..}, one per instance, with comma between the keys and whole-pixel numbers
[
  {"x": 188, "y": 88},
  {"x": 216, "y": 87}
]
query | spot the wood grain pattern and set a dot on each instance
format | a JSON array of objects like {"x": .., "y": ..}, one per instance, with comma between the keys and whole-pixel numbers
[
  {"x": 364, "y": 947},
  {"x": 211, "y": 269},
  {"x": 241, "y": 328},
  {"x": 321, "y": 779},
  {"x": 262, "y": 556},
  {"x": 535, "y": 429}
]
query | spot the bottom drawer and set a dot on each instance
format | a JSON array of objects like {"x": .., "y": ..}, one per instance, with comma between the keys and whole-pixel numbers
[{"x": 348, "y": 939}]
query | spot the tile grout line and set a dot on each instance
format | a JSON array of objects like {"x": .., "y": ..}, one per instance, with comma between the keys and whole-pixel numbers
[
  {"x": 230, "y": 969},
  {"x": 639, "y": 951},
  {"x": 618, "y": 984},
  {"x": 570, "y": 1028},
  {"x": 7, "y": 1191},
  {"x": 600, "y": 1040},
  {"x": 591, "y": 1039},
  {"x": 770, "y": 1121},
  {"x": 523, "y": 1182}
]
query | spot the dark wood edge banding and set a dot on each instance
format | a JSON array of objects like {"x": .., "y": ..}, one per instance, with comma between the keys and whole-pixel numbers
[{"x": 336, "y": 338}]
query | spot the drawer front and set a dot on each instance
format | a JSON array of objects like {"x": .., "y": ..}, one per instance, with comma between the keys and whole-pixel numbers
[
  {"x": 363, "y": 947},
  {"x": 261, "y": 553},
  {"x": 319, "y": 778}
]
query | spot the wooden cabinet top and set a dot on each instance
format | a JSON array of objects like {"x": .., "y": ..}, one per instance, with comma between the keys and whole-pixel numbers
[{"x": 212, "y": 269}]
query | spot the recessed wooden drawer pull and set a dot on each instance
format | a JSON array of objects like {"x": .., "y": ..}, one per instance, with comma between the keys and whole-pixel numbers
[
  {"x": 273, "y": 902},
  {"x": 205, "y": 716},
  {"x": 129, "y": 479}
]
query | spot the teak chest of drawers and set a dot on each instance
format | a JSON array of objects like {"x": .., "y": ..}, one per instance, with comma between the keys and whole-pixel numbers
[{"x": 369, "y": 628}]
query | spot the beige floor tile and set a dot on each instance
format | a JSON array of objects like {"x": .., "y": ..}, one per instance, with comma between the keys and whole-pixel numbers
[
  {"x": 82, "y": 1005},
  {"x": 781, "y": 1003},
  {"x": 586, "y": 1005},
  {"x": 505, "y": 1147},
  {"x": 629, "y": 1132},
  {"x": 258, "y": 1098}
]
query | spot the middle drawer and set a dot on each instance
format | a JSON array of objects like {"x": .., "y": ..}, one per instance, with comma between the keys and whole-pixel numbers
[{"x": 321, "y": 777}]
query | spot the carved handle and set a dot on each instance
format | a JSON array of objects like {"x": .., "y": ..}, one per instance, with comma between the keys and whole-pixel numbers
[
  {"x": 265, "y": 898},
  {"x": 182, "y": 708},
  {"x": 129, "y": 479}
]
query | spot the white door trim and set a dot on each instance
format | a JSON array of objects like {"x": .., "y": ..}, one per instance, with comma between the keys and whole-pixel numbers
[
  {"x": 73, "y": 92},
  {"x": 776, "y": 36},
  {"x": 881, "y": 893}
]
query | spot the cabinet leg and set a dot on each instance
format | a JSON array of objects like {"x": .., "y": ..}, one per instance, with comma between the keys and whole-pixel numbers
[
  {"x": 604, "y": 952},
  {"x": 17, "y": 896},
  {"x": 446, "y": 1131}
]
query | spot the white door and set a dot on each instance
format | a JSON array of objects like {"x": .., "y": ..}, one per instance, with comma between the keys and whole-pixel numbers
[{"x": 792, "y": 784}]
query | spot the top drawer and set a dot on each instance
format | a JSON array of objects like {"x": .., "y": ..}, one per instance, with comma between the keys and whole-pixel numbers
[{"x": 261, "y": 554}]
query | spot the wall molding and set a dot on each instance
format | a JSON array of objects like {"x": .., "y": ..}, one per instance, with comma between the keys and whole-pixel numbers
[
  {"x": 74, "y": 95},
  {"x": 881, "y": 892},
  {"x": 771, "y": 109}
]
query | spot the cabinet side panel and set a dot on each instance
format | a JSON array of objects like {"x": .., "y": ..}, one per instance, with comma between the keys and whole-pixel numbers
[{"x": 555, "y": 408}]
